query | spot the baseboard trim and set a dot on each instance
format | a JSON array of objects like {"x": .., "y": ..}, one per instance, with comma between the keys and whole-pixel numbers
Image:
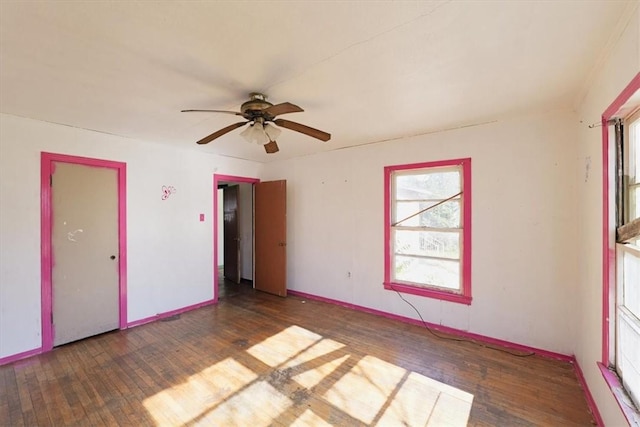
[
  {"x": 593, "y": 408},
  {"x": 457, "y": 332},
  {"x": 19, "y": 356},
  {"x": 587, "y": 394},
  {"x": 166, "y": 314}
]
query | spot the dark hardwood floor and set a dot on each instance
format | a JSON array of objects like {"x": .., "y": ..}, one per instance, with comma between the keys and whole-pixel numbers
[{"x": 256, "y": 359}]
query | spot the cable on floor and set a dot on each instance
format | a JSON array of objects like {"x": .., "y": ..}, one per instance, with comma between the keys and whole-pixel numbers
[{"x": 459, "y": 339}]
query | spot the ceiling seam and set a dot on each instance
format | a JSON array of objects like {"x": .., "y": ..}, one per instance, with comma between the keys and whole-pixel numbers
[
  {"x": 618, "y": 30},
  {"x": 358, "y": 43}
]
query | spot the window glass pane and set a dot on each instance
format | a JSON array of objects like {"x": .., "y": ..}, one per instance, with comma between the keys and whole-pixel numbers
[
  {"x": 425, "y": 271},
  {"x": 421, "y": 186},
  {"x": 631, "y": 282},
  {"x": 446, "y": 215},
  {"x": 428, "y": 243},
  {"x": 628, "y": 363}
]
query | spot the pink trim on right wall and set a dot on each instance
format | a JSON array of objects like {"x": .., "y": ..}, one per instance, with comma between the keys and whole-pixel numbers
[
  {"x": 609, "y": 250},
  {"x": 608, "y": 245}
]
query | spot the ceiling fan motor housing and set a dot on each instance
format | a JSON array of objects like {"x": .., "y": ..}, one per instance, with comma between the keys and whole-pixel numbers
[{"x": 254, "y": 107}]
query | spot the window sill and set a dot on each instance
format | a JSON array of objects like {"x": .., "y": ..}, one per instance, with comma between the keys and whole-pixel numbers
[
  {"x": 429, "y": 293},
  {"x": 629, "y": 410}
]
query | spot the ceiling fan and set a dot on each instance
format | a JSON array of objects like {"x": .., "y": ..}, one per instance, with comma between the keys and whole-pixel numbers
[{"x": 261, "y": 114}]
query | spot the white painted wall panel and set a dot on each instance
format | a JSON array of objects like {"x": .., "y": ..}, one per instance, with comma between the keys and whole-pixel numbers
[
  {"x": 170, "y": 252},
  {"x": 524, "y": 231}
]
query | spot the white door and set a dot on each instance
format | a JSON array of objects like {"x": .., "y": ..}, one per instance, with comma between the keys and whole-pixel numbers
[{"x": 85, "y": 279}]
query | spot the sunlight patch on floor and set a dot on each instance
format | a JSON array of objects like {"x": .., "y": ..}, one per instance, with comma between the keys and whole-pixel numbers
[
  {"x": 312, "y": 377},
  {"x": 186, "y": 401},
  {"x": 319, "y": 349},
  {"x": 363, "y": 391},
  {"x": 309, "y": 419},
  {"x": 284, "y": 345},
  {"x": 240, "y": 410},
  {"x": 373, "y": 391},
  {"x": 426, "y": 402}
]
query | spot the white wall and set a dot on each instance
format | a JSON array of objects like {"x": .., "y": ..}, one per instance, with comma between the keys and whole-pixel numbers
[
  {"x": 617, "y": 71},
  {"x": 524, "y": 229},
  {"x": 170, "y": 253}
]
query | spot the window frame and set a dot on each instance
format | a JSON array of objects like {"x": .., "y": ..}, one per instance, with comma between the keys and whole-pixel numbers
[
  {"x": 622, "y": 107},
  {"x": 463, "y": 296},
  {"x": 629, "y": 167},
  {"x": 622, "y": 313}
]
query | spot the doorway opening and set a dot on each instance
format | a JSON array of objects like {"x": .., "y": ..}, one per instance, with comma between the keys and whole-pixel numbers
[
  {"x": 233, "y": 233},
  {"x": 235, "y": 236},
  {"x": 262, "y": 240}
]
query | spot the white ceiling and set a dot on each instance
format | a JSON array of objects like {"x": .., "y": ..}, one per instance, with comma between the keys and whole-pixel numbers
[{"x": 363, "y": 71}]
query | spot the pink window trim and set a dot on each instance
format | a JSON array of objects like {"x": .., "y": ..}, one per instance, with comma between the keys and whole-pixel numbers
[
  {"x": 616, "y": 388},
  {"x": 47, "y": 167},
  {"x": 608, "y": 246},
  {"x": 465, "y": 296},
  {"x": 217, "y": 179}
]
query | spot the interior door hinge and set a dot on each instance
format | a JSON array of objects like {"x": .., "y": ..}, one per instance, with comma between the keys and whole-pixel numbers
[{"x": 50, "y": 180}]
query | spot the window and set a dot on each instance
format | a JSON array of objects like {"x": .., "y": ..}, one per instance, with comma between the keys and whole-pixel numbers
[
  {"x": 428, "y": 229},
  {"x": 627, "y": 308},
  {"x": 631, "y": 166}
]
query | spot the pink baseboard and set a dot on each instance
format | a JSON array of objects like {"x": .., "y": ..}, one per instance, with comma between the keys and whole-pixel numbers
[
  {"x": 587, "y": 394},
  {"x": 593, "y": 408},
  {"x": 169, "y": 313},
  {"x": 15, "y": 357},
  {"x": 441, "y": 328}
]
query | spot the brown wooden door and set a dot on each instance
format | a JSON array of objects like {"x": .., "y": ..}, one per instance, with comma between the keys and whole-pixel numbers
[
  {"x": 231, "y": 234},
  {"x": 271, "y": 237},
  {"x": 85, "y": 279}
]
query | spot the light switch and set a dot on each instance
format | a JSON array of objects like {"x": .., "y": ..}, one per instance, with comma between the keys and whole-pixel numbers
[{"x": 201, "y": 217}]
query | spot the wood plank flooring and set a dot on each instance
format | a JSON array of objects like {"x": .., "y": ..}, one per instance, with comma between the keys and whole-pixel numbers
[{"x": 256, "y": 359}]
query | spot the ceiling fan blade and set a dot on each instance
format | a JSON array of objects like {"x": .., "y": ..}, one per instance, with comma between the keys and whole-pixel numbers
[
  {"x": 221, "y": 132},
  {"x": 212, "y": 111},
  {"x": 323, "y": 136},
  {"x": 284, "y": 108},
  {"x": 271, "y": 147}
]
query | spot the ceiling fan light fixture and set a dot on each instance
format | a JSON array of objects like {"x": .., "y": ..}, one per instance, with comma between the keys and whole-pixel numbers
[
  {"x": 272, "y": 132},
  {"x": 255, "y": 133}
]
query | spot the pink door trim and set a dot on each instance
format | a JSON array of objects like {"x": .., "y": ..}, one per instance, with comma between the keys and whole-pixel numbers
[
  {"x": 216, "y": 179},
  {"x": 47, "y": 167}
]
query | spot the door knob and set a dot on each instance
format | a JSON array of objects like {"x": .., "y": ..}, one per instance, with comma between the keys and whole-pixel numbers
[{"x": 112, "y": 257}]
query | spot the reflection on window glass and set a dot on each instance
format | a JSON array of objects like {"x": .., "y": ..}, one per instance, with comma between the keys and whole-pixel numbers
[
  {"x": 433, "y": 272},
  {"x": 446, "y": 215},
  {"x": 427, "y": 186},
  {"x": 428, "y": 243}
]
